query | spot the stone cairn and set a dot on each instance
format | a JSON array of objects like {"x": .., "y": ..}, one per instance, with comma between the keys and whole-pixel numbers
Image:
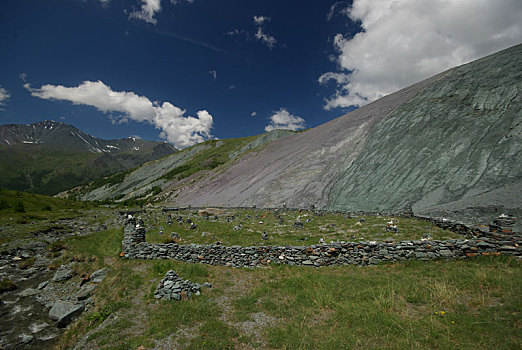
[
  {"x": 173, "y": 287},
  {"x": 134, "y": 230},
  {"x": 502, "y": 224}
]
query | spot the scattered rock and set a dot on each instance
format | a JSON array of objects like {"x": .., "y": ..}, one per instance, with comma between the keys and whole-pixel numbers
[
  {"x": 63, "y": 274},
  {"x": 26, "y": 338},
  {"x": 64, "y": 312},
  {"x": 173, "y": 287},
  {"x": 85, "y": 291},
  {"x": 29, "y": 292},
  {"x": 99, "y": 275},
  {"x": 298, "y": 225}
]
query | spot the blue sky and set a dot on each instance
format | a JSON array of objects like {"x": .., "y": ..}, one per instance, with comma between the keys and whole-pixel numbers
[{"x": 189, "y": 70}]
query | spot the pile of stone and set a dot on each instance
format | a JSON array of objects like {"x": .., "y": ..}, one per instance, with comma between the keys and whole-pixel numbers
[
  {"x": 173, "y": 287},
  {"x": 503, "y": 224},
  {"x": 134, "y": 231}
]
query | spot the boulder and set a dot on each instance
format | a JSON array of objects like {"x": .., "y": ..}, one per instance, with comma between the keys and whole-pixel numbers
[
  {"x": 99, "y": 275},
  {"x": 85, "y": 291},
  {"x": 63, "y": 274},
  {"x": 64, "y": 312}
]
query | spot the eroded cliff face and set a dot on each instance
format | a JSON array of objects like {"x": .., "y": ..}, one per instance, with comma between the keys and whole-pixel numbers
[
  {"x": 448, "y": 144},
  {"x": 458, "y": 138}
]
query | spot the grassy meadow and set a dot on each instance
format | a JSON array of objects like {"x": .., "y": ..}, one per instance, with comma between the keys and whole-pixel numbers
[
  {"x": 461, "y": 304},
  {"x": 467, "y": 304},
  {"x": 248, "y": 226}
]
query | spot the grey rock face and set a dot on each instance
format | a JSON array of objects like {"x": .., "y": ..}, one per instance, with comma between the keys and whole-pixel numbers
[
  {"x": 99, "y": 275},
  {"x": 64, "y": 312},
  {"x": 62, "y": 274},
  {"x": 450, "y": 144},
  {"x": 85, "y": 291},
  {"x": 29, "y": 292}
]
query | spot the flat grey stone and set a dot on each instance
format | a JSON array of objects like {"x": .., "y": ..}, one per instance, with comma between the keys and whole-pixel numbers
[
  {"x": 29, "y": 292},
  {"x": 64, "y": 312},
  {"x": 99, "y": 275},
  {"x": 85, "y": 291},
  {"x": 26, "y": 338},
  {"x": 63, "y": 274}
]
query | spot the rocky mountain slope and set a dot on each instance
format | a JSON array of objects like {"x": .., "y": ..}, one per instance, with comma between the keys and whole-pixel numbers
[
  {"x": 447, "y": 146},
  {"x": 177, "y": 170},
  {"x": 49, "y": 157}
]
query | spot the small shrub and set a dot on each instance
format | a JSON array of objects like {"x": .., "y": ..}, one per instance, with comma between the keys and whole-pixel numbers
[
  {"x": 4, "y": 204},
  {"x": 6, "y": 285},
  {"x": 47, "y": 207},
  {"x": 27, "y": 263},
  {"x": 19, "y": 207},
  {"x": 57, "y": 246},
  {"x": 156, "y": 190}
]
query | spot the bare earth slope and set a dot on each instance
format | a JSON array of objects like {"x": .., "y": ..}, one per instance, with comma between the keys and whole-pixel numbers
[{"x": 449, "y": 144}]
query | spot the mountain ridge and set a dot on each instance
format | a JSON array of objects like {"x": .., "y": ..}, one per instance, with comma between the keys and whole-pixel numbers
[
  {"x": 447, "y": 146},
  {"x": 48, "y": 157}
]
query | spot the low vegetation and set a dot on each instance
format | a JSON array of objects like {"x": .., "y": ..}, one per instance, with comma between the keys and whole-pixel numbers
[
  {"x": 472, "y": 303},
  {"x": 247, "y": 228},
  {"x": 469, "y": 303},
  {"x": 6, "y": 285},
  {"x": 23, "y": 214}
]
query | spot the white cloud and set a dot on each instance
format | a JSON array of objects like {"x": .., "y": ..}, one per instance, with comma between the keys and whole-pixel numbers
[
  {"x": 282, "y": 119},
  {"x": 232, "y": 87},
  {"x": 23, "y": 76},
  {"x": 403, "y": 42},
  {"x": 213, "y": 73},
  {"x": 253, "y": 114},
  {"x": 337, "y": 8},
  {"x": 148, "y": 9},
  {"x": 259, "y": 20},
  {"x": 4, "y": 95},
  {"x": 265, "y": 38},
  {"x": 176, "y": 128}
]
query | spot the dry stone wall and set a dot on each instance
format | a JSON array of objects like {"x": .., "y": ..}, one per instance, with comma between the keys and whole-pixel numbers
[{"x": 480, "y": 242}]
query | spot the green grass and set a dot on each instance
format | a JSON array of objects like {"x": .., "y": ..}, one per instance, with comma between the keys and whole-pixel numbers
[
  {"x": 6, "y": 285},
  {"x": 22, "y": 214},
  {"x": 465, "y": 304},
  {"x": 330, "y": 227},
  {"x": 209, "y": 158}
]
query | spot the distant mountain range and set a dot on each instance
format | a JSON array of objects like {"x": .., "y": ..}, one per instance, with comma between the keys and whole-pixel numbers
[
  {"x": 448, "y": 146},
  {"x": 48, "y": 157}
]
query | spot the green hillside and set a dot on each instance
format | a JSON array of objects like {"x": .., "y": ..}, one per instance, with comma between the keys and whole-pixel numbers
[{"x": 173, "y": 171}]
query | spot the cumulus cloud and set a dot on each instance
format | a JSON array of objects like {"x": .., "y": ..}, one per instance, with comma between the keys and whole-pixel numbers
[
  {"x": 148, "y": 9},
  {"x": 4, "y": 95},
  {"x": 265, "y": 38},
  {"x": 282, "y": 119},
  {"x": 253, "y": 114},
  {"x": 259, "y": 20},
  {"x": 403, "y": 42},
  {"x": 176, "y": 128},
  {"x": 213, "y": 73}
]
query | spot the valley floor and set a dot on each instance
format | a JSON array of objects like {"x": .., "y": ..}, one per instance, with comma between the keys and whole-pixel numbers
[{"x": 469, "y": 303}]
